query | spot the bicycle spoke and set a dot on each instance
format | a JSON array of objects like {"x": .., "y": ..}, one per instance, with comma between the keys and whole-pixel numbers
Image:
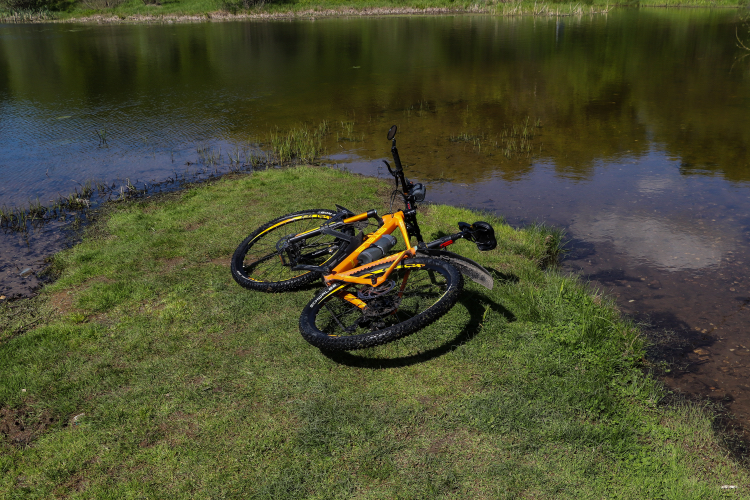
[
  {"x": 421, "y": 290},
  {"x": 259, "y": 263}
]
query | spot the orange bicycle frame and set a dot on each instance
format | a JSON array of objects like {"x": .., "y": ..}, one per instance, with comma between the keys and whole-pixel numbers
[{"x": 344, "y": 270}]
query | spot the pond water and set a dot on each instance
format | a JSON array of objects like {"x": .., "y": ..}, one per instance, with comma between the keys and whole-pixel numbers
[{"x": 631, "y": 130}]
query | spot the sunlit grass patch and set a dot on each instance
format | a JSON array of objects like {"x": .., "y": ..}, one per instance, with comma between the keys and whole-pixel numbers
[{"x": 162, "y": 377}]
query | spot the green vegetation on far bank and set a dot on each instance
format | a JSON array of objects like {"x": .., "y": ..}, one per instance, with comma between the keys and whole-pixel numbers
[
  {"x": 145, "y": 371},
  {"x": 197, "y": 10}
]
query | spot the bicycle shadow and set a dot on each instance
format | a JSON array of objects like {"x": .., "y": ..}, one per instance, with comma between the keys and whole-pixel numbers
[
  {"x": 475, "y": 303},
  {"x": 501, "y": 277}
]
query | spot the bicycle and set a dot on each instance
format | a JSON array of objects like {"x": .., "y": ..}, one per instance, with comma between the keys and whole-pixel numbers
[{"x": 370, "y": 297}]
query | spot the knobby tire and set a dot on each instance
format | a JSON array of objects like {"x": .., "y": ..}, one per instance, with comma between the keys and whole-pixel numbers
[
  {"x": 258, "y": 265},
  {"x": 331, "y": 323}
]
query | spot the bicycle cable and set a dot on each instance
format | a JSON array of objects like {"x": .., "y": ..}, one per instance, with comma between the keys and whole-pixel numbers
[{"x": 394, "y": 194}]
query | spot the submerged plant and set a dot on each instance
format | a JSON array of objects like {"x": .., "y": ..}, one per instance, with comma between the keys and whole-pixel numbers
[
  {"x": 511, "y": 142},
  {"x": 348, "y": 127},
  {"x": 208, "y": 155},
  {"x": 20, "y": 219},
  {"x": 235, "y": 155},
  {"x": 102, "y": 134}
]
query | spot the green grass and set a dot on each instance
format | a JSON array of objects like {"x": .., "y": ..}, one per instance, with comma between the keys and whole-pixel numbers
[
  {"x": 149, "y": 373},
  {"x": 192, "y": 10}
]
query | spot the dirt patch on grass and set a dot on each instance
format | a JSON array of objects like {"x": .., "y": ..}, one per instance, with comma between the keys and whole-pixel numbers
[
  {"x": 150, "y": 208},
  {"x": 77, "y": 483},
  {"x": 441, "y": 444},
  {"x": 170, "y": 264},
  {"x": 20, "y": 426},
  {"x": 20, "y": 316},
  {"x": 245, "y": 352},
  {"x": 63, "y": 300},
  {"x": 174, "y": 432},
  {"x": 224, "y": 261}
]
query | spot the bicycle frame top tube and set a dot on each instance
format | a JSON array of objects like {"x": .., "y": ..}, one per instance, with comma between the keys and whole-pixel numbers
[{"x": 349, "y": 266}]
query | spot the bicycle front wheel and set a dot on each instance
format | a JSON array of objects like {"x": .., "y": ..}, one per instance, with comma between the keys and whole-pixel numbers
[
  {"x": 346, "y": 316},
  {"x": 262, "y": 263}
]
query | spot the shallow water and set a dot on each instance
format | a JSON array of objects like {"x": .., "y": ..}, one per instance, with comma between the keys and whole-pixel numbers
[{"x": 636, "y": 125}]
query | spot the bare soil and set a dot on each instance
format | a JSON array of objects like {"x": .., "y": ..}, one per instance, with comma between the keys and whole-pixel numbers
[{"x": 20, "y": 426}]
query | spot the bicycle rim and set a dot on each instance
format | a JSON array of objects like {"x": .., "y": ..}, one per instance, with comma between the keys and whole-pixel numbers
[
  {"x": 417, "y": 293},
  {"x": 262, "y": 260}
]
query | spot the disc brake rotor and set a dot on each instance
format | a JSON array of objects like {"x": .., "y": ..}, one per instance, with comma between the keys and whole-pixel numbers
[
  {"x": 376, "y": 291},
  {"x": 379, "y": 302}
]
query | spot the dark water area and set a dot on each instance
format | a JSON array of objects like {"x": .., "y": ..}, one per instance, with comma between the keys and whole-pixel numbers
[{"x": 630, "y": 130}]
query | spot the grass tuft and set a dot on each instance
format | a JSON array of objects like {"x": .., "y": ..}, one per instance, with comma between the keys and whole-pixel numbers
[
  {"x": 512, "y": 142},
  {"x": 298, "y": 145}
]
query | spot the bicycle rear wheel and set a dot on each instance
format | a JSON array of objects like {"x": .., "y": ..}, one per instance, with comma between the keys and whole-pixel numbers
[
  {"x": 346, "y": 316},
  {"x": 261, "y": 261}
]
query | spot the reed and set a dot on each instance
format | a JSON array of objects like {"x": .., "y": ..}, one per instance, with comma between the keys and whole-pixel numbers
[
  {"x": 21, "y": 219},
  {"x": 208, "y": 155},
  {"x": 235, "y": 155},
  {"x": 102, "y": 134},
  {"x": 26, "y": 15},
  {"x": 512, "y": 141},
  {"x": 36, "y": 210},
  {"x": 298, "y": 145},
  {"x": 466, "y": 137},
  {"x": 543, "y": 9},
  {"x": 348, "y": 127}
]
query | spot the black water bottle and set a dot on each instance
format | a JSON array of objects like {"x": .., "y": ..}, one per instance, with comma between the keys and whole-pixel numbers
[{"x": 377, "y": 250}]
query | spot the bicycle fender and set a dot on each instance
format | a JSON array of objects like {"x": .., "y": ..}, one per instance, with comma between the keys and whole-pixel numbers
[{"x": 468, "y": 267}]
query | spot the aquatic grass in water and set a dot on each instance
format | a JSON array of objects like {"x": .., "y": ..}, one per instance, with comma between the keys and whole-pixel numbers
[
  {"x": 21, "y": 219},
  {"x": 235, "y": 154},
  {"x": 348, "y": 126},
  {"x": 300, "y": 144},
  {"x": 511, "y": 142},
  {"x": 208, "y": 155},
  {"x": 419, "y": 109},
  {"x": 102, "y": 135},
  {"x": 347, "y": 133},
  {"x": 241, "y": 158}
]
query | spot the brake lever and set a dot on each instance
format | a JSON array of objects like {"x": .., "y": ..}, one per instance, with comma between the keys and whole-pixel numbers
[{"x": 392, "y": 172}]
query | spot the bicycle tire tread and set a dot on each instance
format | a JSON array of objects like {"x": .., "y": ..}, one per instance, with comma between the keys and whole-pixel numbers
[
  {"x": 288, "y": 285},
  {"x": 350, "y": 343}
]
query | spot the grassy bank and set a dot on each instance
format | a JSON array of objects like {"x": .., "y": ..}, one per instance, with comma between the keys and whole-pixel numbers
[
  {"x": 145, "y": 371},
  {"x": 115, "y": 11}
]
